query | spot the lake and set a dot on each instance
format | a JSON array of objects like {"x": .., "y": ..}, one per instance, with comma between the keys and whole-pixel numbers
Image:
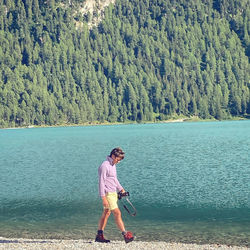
[{"x": 190, "y": 182}]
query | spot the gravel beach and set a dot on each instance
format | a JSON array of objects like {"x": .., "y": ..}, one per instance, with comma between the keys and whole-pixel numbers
[{"x": 24, "y": 244}]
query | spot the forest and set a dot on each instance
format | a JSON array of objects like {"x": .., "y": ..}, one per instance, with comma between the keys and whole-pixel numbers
[{"x": 146, "y": 61}]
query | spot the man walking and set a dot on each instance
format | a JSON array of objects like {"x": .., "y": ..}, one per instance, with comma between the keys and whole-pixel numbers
[{"x": 108, "y": 188}]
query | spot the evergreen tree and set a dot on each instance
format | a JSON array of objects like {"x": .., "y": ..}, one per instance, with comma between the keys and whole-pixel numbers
[{"x": 145, "y": 60}]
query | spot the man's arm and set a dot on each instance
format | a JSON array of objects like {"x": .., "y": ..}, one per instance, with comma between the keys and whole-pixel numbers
[
  {"x": 102, "y": 177},
  {"x": 102, "y": 173},
  {"x": 119, "y": 186}
]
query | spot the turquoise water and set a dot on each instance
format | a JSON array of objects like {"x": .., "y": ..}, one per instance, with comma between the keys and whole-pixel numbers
[{"x": 190, "y": 182}]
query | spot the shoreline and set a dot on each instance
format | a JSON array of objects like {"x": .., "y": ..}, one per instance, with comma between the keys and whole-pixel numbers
[
  {"x": 96, "y": 123},
  {"x": 16, "y": 243}
]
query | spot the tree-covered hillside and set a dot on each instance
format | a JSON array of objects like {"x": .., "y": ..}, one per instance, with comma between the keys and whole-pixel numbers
[{"x": 147, "y": 60}]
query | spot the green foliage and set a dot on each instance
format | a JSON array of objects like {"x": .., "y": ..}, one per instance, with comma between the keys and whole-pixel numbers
[{"x": 147, "y": 60}]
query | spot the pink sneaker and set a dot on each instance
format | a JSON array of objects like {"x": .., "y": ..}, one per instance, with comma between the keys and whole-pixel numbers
[{"x": 128, "y": 237}]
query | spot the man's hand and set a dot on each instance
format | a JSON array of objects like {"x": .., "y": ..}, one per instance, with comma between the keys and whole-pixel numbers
[
  {"x": 105, "y": 202},
  {"x": 122, "y": 193}
]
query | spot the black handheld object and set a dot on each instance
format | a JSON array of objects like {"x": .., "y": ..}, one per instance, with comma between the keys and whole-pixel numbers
[
  {"x": 120, "y": 195},
  {"x": 127, "y": 204}
]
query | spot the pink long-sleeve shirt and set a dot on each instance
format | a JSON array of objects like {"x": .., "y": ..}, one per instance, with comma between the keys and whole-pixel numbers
[{"x": 108, "y": 181}]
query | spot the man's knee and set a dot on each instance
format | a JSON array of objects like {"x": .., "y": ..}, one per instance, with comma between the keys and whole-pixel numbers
[
  {"x": 106, "y": 212},
  {"x": 116, "y": 212}
]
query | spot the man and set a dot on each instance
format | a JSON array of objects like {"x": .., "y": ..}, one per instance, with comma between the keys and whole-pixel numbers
[{"x": 108, "y": 188}]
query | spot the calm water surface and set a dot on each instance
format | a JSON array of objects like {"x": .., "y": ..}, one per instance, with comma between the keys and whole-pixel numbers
[{"x": 190, "y": 182}]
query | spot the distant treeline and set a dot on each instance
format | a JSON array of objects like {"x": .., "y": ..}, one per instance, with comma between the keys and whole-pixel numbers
[{"x": 147, "y": 60}]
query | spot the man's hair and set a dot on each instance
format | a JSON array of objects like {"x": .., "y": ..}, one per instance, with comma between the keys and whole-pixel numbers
[{"x": 117, "y": 152}]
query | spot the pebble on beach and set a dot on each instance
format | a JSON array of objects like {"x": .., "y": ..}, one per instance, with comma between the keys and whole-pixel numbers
[{"x": 26, "y": 244}]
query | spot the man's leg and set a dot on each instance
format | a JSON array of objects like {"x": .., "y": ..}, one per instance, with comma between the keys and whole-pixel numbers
[
  {"x": 128, "y": 236},
  {"x": 103, "y": 220},
  {"x": 118, "y": 219},
  {"x": 102, "y": 224}
]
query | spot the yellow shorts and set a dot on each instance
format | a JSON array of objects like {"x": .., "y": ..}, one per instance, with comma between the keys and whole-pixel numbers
[{"x": 112, "y": 200}]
